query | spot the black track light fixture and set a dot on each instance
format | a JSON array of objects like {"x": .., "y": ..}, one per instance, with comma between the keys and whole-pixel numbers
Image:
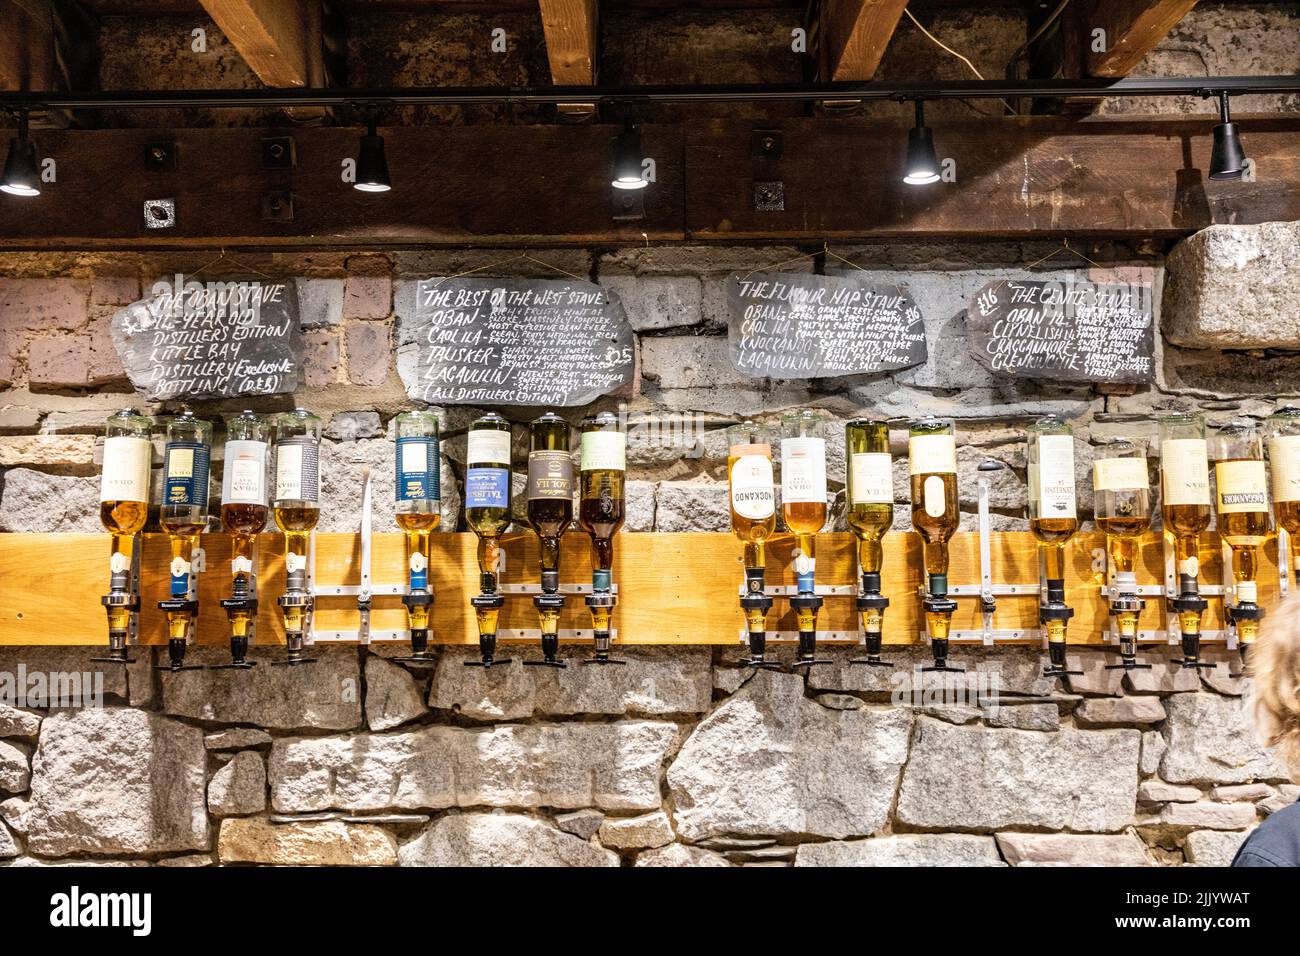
[
  {"x": 372, "y": 164},
  {"x": 628, "y": 159},
  {"x": 1228, "y": 159},
  {"x": 922, "y": 167},
  {"x": 21, "y": 176}
]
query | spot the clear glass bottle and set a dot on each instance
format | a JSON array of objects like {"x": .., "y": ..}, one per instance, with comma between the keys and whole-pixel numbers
[
  {"x": 803, "y": 486},
  {"x": 123, "y": 510},
  {"x": 602, "y": 467},
  {"x": 297, "y": 510},
  {"x": 487, "y": 490},
  {"x": 1282, "y": 431},
  {"x": 1053, "y": 520},
  {"x": 870, "y": 474},
  {"x": 751, "y": 496},
  {"x": 416, "y": 488},
  {"x": 1185, "y": 489},
  {"x": 1122, "y": 505},
  {"x": 244, "y": 511},
  {"x": 932, "y": 466},
  {"x": 187, "y": 458},
  {"x": 1241, "y": 500},
  {"x": 550, "y": 490}
]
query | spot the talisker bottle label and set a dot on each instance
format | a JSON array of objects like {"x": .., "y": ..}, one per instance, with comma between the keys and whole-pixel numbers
[
  {"x": 487, "y": 488},
  {"x": 550, "y": 475}
]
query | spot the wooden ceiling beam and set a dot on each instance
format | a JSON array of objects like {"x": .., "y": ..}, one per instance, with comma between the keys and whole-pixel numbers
[
  {"x": 280, "y": 40},
  {"x": 856, "y": 34},
  {"x": 572, "y": 41},
  {"x": 1133, "y": 28}
]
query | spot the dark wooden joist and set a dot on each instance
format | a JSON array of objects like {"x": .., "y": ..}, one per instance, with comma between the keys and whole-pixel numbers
[
  {"x": 1021, "y": 177},
  {"x": 855, "y": 34},
  {"x": 46, "y": 45},
  {"x": 1133, "y": 29}
]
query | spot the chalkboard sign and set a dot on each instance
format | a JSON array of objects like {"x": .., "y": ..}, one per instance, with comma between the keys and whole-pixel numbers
[
  {"x": 1074, "y": 331},
  {"x": 808, "y": 326},
  {"x": 193, "y": 339},
  {"x": 511, "y": 341}
]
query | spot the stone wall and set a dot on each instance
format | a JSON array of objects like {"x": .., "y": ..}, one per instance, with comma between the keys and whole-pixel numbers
[{"x": 678, "y": 759}]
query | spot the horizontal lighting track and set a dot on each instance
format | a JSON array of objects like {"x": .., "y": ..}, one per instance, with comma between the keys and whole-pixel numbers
[{"x": 749, "y": 93}]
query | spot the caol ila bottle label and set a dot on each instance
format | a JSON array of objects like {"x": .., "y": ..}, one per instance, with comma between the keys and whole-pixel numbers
[
  {"x": 752, "y": 486},
  {"x": 550, "y": 475},
  {"x": 185, "y": 474},
  {"x": 417, "y": 469},
  {"x": 297, "y": 469},
  {"x": 244, "y": 480},
  {"x": 125, "y": 475}
]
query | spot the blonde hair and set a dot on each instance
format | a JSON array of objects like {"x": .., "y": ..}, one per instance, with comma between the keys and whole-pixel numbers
[{"x": 1274, "y": 666}]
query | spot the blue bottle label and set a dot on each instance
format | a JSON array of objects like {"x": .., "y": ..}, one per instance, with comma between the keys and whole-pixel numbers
[
  {"x": 185, "y": 473},
  {"x": 487, "y": 488},
  {"x": 417, "y": 469}
]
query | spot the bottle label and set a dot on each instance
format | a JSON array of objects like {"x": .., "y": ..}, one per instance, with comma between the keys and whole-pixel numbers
[
  {"x": 935, "y": 499},
  {"x": 297, "y": 470},
  {"x": 180, "y": 584},
  {"x": 803, "y": 470},
  {"x": 487, "y": 488},
  {"x": 126, "y": 469},
  {"x": 1051, "y": 480},
  {"x": 419, "y": 571},
  {"x": 417, "y": 469},
  {"x": 753, "y": 492},
  {"x": 1185, "y": 472},
  {"x": 871, "y": 479},
  {"x": 805, "y": 570},
  {"x": 550, "y": 475},
  {"x": 1284, "y": 457},
  {"x": 932, "y": 454},
  {"x": 488, "y": 444},
  {"x": 1241, "y": 485},
  {"x": 185, "y": 473},
  {"x": 604, "y": 451},
  {"x": 244, "y": 480},
  {"x": 1120, "y": 474}
]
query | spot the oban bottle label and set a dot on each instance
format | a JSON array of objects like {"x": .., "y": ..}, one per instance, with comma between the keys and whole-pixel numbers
[
  {"x": 417, "y": 469},
  {"x": 753, "y": 494},
  {"x": 871, "y": 478},
  {"x": 604, "y": 451},
  {"x": 185, "y": 474},
  {"x": 1186, "y": 471},
  {"x": 550, "y": 475},
  {"x": 244, "y": 480},
  {"x": 932, "y": 454},
  {"x": 1120, "y": 474},
  {"x": 1241, "y": 486},
  {"x": 1051, "y": 480},
  {"x": 1284, "y": 456},
  {"x": 297, "y": 470},
  {"x": 803, "y": 471},
  {"x": 126, "y": 469}
]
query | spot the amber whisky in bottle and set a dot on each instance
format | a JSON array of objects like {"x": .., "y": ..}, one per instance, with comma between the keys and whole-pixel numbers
[
  {"x": 1122, "y": 505},
  {"x": 602, "y": 467},
  {"x": 1241, "y": 502},
  {"x": 932, "y": 469},
  {"x": 804, "y": 509},
  {"x": 187, "y": 458},
  {"x": 1185, "y": 509},
  {"x": 1053, "y": 520},
  {"x": 1282, "y": 430},
  {"x": 418, "y": 508},
  {"x": 123, "y": 510},
  {"x": 297, "y": 509},
  {"x": 751, "y": 496},
  {"x": 550, "y": 512},
  {"x": 869, "y": 470},
  {"x": 244, "y": 512},
  {"x": 487, "y": 512}
]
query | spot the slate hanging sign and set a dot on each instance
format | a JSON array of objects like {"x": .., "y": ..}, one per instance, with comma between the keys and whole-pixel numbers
[
  {"x": 198, "y": 340},
  {"x": 548, "y": 342},
  {"x": 784, "y": 325},
  {"x": 1070, "y": 330}
]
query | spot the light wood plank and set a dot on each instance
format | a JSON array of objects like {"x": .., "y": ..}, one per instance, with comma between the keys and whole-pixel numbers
[
  {"x": 857, "y": 33},
  {"x": 570, "y": 29},
  {"x": 674, "y": 588},
  {"x": 280, "y": 40},
  {"x": 1133, "y": 29}
]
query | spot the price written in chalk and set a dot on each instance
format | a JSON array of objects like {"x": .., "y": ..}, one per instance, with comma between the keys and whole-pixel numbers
[
  {"x": 808, "y": 326},
  {"x": 511, "y": 341},
  {"x": 198, "y": 340},
  {"x": 1068, "y": 330}
]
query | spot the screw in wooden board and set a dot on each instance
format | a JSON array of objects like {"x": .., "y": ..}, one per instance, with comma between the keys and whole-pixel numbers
[
  {"x": 769, "y": 196},
  {"x": 278, "y": 152},
  {"x": 159, "y": 213},
  {"x": 277, "y": 206},
  {"x": 160, "y": 156}
]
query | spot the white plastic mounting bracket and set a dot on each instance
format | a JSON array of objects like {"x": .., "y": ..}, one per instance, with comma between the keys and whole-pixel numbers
[
  {"x": 309, "y": 618},
  {"x": 364, "y": 590}
]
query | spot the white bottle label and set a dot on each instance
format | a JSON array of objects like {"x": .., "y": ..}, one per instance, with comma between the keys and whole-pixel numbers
[
  {"x": 415, "y": 456},
  {"x": 126, "y": 469},
  {"x": 488, "y": 445},
  {"x": 935, "y": 500},
  {"x": 752, "y": 492},
  {"x": 1120, "y": 474},
  {"x": 803, "y": 470},
  {"x": 1185, "y": 472},
  {"x": 1241, "y": 486},
  {"x": 932, "y": 454},
  {"x": 1284, "y": 456},
  {"x": 871, "y": 477},
  {"x": 1051, "y": 481},
  {"x": 604, "y": 451},
  {"x": 244, "y": 479}
]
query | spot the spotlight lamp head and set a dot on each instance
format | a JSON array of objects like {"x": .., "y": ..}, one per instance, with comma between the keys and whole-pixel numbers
[
  {"x": 21, "y": 176},
  {"x": 922, "y": 167},
  {"x": 372, "y": 163},
  {"x": 628, "y": 159},
  {"x": 1228, "y": 159}
]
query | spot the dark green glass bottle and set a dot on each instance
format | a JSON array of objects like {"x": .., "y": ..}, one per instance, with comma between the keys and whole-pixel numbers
[{"x": 550, "y": 490}]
